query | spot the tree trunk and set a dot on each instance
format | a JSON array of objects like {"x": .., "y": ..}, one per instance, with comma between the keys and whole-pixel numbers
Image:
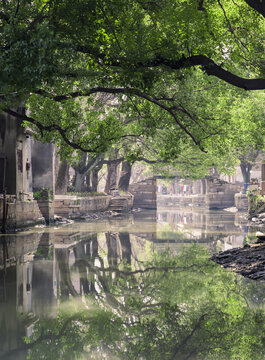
[
  {"x": 88, "y": 187},
  {"x": 79, "y": 181},
  {"x": 95, "y": 179},
  {"x": 137, "y": 173},
  {"x": 112, "y": 245},
  {"x": 66, "y": 285},
  {"x": 94, "y": 246},
  {"x": 80, "y": 262},
  {"x": 83, "y": 171},
  {"x": 245, "y": 170},
  {"x": 80, "y": 173},
  {"x": 126, "y": 247},
  {"x": 112, "y": 177},
  {"x": 62, "y": 178},
  {"x": 125, "y": 176}
]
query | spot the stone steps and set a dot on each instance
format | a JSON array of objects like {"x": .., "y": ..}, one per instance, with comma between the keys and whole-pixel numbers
[{"x": 120, "y": 204}]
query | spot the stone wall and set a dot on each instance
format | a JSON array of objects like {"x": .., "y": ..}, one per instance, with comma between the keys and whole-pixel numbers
[
  {"x": 220, "y": 194},
  {"x": 26, "y": 213},
  {"x": 72, "y": 206},
  {"x": 21, "y": 213},
  {"x": 144, "y": 194},
  {"x": 211, "y": 192},
  {"x": 199, "y": 200},
  {"x": 241, "y": 202},
  {"x": 171, "y": 200},
  {"x": 20, "y": 246}
]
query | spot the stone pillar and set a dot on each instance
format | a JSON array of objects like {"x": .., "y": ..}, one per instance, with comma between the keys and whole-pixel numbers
[
  {"x": 263, "y": 179},
  {"x": 28, "y": 165}
]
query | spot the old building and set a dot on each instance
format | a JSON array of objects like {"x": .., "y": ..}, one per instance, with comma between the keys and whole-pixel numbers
[
  {"x": 16, "y": 174},
  {"x": 15, "y": 150}
]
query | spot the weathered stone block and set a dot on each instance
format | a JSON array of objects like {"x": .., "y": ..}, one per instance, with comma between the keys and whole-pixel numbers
[
  {"x": 241, "y": 201},
  {"x": 47, "y": 210}
]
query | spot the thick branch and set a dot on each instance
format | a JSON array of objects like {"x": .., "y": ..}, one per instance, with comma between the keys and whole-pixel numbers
[
  {"x": 258, "y": 5},
  {"x": 184, "y": 342},
  {"x": 211, "y": 68},
  {"x": 114, "y": 161},
  {"x": 54, "y": 127},
  {"x": 91, "y": 164},
  {"x": 48, "y": 128},
  {"x": 200, "y": 6}
]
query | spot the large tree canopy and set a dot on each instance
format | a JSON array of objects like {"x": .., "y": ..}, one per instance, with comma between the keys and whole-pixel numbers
[{"x": 98, "y": 73}]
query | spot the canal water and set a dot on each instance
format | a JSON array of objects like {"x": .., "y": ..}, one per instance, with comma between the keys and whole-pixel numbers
[{"x": 134, "y": 287}]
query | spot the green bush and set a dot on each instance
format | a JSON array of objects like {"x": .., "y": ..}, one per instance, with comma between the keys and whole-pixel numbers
[{"x": 43, "y": 194}]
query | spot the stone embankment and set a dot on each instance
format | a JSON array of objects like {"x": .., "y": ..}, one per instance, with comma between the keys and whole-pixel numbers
[
  {"x": 22, "y": 214},
  {"x": 73, "y": 206},
  {"x": 248, "y": 261}
]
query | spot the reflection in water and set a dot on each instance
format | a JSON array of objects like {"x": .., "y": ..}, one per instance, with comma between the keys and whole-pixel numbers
[
  {"x": 218, "y": 229},
  {"x": 109, "y": 295}
]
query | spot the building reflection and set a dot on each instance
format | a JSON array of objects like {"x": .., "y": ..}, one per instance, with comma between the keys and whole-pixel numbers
[{"x": 219, "y": 230}]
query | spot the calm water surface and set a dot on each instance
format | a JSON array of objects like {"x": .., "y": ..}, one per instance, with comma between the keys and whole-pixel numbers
[{"x": 135, "y": 287}]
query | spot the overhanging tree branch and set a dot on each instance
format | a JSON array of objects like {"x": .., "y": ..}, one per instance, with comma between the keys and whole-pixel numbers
[
  {"x": 59, "y": 129},
  {"x": 258, "y": 5},
  {"x": 207, "y": 64},
  {"x": 125, "y": 91},
  {"x": 211, "y": 68},
  {"x": 52, "y": 127}
]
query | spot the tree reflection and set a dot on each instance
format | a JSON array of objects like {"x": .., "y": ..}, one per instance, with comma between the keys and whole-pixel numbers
[
  {"x": 66, "y": 286},
  {"x": 171, "y": 307}
]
